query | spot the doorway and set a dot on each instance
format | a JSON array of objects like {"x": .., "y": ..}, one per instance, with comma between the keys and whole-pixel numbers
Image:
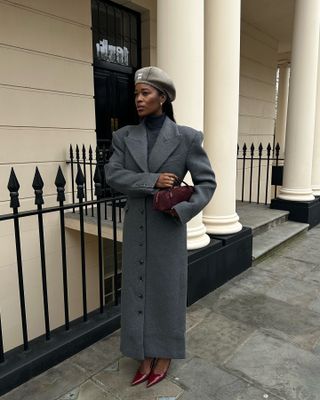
[{"x": 117, "y": 55}]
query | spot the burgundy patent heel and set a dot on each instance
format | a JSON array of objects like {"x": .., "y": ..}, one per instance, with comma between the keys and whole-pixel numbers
[
  {"x": 140, "y": 377},
  {"x": 155, "y": 378}
]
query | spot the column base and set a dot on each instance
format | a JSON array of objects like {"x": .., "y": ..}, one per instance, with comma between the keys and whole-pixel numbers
[
  {"x": 316, "y": 191},
  {"x": 300, "y": 211},
  {"x": 197, "y": 237},
  {"x": 222, "y": 225},
  {"x": 296, "y": 194},
  {"x": 224, "y": 258}
]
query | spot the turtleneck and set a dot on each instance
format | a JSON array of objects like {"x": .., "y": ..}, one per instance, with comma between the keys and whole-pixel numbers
[
  {"x": 154, "y": 122},
  {"x": 153, "y": 125}
]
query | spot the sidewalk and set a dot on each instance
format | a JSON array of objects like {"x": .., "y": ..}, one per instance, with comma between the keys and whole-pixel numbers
[{"x": 257, "y": 337}]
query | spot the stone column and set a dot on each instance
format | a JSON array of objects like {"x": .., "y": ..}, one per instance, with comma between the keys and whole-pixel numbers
[
  {"x": 302, "y": 102},
  {"x": 282, "y": 107},
  {"x": 221, "y": 108},
  {"x": 181, "y": 55},
  {"x": 315, "y": 180}
]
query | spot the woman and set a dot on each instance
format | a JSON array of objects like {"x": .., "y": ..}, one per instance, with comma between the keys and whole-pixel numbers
[{"x": 146, "y": 158}]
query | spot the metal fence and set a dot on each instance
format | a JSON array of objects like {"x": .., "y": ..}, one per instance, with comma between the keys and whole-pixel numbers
[
  {"x": 90, "y": 194},
  {"x": 255, "y": 158}
]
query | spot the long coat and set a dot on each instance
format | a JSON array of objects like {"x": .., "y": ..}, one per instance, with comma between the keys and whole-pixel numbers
[{"x": 154, "y": 253}]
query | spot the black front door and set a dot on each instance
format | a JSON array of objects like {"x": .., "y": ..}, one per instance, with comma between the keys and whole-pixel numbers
[
  {"x": 116, "y": 45},
  {"x": 114, "y": 102}
]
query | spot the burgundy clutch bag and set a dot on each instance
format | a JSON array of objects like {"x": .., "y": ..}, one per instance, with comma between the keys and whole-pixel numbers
[{"x": 165, "y": 199}]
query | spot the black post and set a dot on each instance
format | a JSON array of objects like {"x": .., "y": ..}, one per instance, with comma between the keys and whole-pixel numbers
[
  {"x": 98, "y": 193},
  {"x": 38, "y": 186},
  {"x": 91, "y": 180},
  {"x": 259, "y": 172},
  {"x": 14, "y": 186},
  {"x": 268, "y": 163},
  {"x": 251, "y": 170},
  {"x": 1, "y": 344},
  {"x": 115, "y": 252},
  {"x": 277, "y": 163},
  {"x": 84, "y": 158},
  {"x": 72, "y": 175},
  {"x": 60, "y": 183},
  {"x": 244, "y": 151},
  {"x": 80, "y": 196}
]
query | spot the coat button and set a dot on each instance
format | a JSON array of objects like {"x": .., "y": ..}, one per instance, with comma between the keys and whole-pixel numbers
[
  {"x": 141, "y": 261},
  {"x": 140, "y": 278},
  {"x": 139, "y": 312},
  {"x": 141, "y": 296},
  {"x": 141, "y": 227},
  {"x": 141, "y": 210},
  {"x": 141, "y": 244}
]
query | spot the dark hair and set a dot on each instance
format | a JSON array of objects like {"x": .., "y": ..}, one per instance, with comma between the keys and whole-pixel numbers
[
  {"x": 168, "y": 109},
  {"x": 167, "y": 106}
]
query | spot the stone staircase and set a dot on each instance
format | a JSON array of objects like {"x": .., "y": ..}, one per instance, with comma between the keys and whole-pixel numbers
[{"x": 270, "y": 228}]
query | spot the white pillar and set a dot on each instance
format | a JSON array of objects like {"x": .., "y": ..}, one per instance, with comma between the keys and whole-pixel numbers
[
  {"x": 282, "y": 106},
  {"x": 302, "y": 101},
  {"x": 315, "y": 180},
  {"x": 222, "y": 68},
  {"x": 180, "y": 53}
]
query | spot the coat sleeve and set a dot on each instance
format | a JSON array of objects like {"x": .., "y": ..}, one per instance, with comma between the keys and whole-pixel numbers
[
  {"x": 203, "y": 179},
  {"x": 124, "y": 180}
]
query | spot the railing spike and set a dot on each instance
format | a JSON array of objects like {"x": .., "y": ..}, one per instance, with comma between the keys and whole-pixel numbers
[
  {"x": 13, "y": 184},
  {"x": 90, "y": 153},
  {"x": 97, "y": 183},
  {"x": 37, "y": 185},
  {"x": 77, "y": 153},
  {"x": 80, "y": 183},
  {"x": 71, "y": 151},
  {"x": 84, "y": 155},
  {"x": 13, "y": 187},
  {"x": 60, "y": 183}
]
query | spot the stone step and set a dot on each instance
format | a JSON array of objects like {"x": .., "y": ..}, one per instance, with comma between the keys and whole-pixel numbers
[
  {"x": 259, "y": 217},
  {"x": 276, "y": 236}
]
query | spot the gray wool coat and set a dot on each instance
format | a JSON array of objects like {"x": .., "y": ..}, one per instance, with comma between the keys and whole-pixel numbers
[{"x": 154, "y": 258}]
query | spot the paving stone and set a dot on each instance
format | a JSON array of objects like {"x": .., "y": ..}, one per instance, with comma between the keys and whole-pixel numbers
[
  {"x": 117, "y": 381},
  {"x": 263, "y": 311},
  {"x": 49, "y": 385},
  {"x": 202, "y": 378},
  {"x": 281, "y": 266},
  {"x": 257, "y": 280},
  {"x": 303, "y": 252},
  {"x": 313, "y": 276},
  {"x": 88, "y": 391},
  {"x": 281, "y": 368},
  {"x": 195, "y": 314},
  {"x": 296, "y": 292},
  {"x": 225, "y": 336},
  {"x": 99, "y": 355}
]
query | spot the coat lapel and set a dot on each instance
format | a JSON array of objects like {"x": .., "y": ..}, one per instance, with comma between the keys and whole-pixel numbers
[
  {"x": 137, "y": 144},
  {"x": 167, "y": 141}
]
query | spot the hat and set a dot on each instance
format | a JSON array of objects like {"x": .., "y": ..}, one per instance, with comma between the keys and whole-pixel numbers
[{"x": 157, "y": 78}]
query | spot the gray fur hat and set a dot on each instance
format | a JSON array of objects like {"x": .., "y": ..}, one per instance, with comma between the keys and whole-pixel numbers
[{"x": 157, "y": 78}]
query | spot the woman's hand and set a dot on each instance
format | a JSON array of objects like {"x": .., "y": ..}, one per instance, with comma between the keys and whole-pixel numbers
[{"x": 166, "y": 180}]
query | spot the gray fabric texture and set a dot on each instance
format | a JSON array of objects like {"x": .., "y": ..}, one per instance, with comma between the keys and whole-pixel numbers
[{"x": 154, "y": 258}]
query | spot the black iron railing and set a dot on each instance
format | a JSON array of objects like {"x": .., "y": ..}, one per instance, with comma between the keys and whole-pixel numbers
[
  {"x": 255, "y": 158},
  {"x": 96, "y": 189}
]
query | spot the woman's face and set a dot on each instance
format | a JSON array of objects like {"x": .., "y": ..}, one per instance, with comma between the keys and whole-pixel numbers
[{"x": 148, "y": 100}]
